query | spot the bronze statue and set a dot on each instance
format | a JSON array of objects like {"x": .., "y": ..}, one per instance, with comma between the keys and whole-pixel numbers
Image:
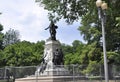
[
  {"x": 58, "y": 57},
  {"x": 52, "y": 29}
]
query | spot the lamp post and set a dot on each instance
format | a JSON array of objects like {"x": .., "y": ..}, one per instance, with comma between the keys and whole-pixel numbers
[{"x": 102, "y": 6}]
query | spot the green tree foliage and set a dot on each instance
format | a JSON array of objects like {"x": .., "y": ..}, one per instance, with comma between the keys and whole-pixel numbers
[
  {"x": 10, "y": 37},
  {"x": 23, "y": 53},
  {"x": 73, "y": 52},
  {"x": 67, "y": 9},
  {"x": 1, "y": 45},
  {"x": 1, "y": 37},
  {"x": 67, "y": 49},
  {"x": 2, "y": 60},
  {"x": 91, "y": 29}
]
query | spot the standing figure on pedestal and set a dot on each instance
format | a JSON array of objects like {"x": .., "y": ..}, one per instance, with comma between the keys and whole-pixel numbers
[{"x": 52, "y": 29}]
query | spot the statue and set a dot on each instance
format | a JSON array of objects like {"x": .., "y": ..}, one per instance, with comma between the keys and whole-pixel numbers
[
  {"x": 61, "y": 56},
  {"x": 43, "y": 64},
  {"x": 52, "y": 29},
  {"x": 58, "y": 57}
]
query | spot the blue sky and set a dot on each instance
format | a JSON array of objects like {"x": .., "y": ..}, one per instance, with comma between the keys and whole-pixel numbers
[{"x": 30, "y": 20}]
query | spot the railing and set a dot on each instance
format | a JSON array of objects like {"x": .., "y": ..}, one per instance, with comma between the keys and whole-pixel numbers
[{"x": 77, "y": 73}]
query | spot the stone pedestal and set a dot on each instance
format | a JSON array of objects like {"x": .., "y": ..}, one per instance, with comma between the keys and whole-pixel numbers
[
  {"x": 50, "y": 68},
  {"x": 51, "y": 79},
  {"x": 50, "y": 47},
  {"x": 56, "y": 71}
]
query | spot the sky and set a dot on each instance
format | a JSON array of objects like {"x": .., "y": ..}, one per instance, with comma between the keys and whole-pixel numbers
[{"x": 30, "y": 20}]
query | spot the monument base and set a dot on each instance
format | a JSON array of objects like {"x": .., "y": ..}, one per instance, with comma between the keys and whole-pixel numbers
[
  {"x": 49, "y": 66},
  {"x": 47, "y": 79},
  {"x": 56, "y": 71}
]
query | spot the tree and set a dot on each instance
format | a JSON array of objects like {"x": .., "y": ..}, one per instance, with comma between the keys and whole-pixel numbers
[
  {"x": 77, "y": 45},
  {"x": 1, "y": 37},
  {"x": 23, "y": 53},
  {"x": 11, "y": 36},
  {"x": 72, "y": 53},
  {"x": 67, "y": 9},
  {"x": 1, "y": 45}
]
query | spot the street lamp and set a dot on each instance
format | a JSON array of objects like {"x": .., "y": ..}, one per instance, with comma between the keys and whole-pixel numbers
[{"x": 102, "y": 6}]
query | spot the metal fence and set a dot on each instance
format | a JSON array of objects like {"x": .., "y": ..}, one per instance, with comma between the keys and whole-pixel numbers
[{"x": 77, "y": 73}]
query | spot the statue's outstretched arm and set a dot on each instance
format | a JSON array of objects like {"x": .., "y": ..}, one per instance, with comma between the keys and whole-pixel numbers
[{"x": 47, "y": 28}]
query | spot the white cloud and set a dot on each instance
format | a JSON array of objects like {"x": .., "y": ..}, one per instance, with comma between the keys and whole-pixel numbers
[
  {"x": 25, "y": 16},
  {"x": 30, "y": 20}
]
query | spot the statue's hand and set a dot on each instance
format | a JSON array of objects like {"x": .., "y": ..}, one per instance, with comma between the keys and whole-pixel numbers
[
  {"x": 56, "y": 27},
  {"x": 46, "y": 28}
]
